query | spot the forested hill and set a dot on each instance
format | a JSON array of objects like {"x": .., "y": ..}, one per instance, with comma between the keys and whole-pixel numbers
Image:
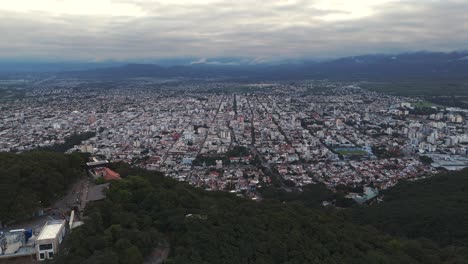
[
  {"x": 26, "y": 179},
  {"x": 435, "y": 208},
  {"x": 150, "y": 211}
]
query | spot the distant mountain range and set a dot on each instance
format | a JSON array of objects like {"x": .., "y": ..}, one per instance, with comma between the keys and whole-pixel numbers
[
  {"x": 379, "y": 66},
  {"x": 425, "y": 65},
  {"x": 408, "y": 65},
  {"x": 47, "y": 67}
]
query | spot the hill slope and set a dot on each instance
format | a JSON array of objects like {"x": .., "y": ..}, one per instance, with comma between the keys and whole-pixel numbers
[
  {"x": 148, "y": 211},
  {"x": 434, "y": 208},
  {"x": 26, "y": 179}
]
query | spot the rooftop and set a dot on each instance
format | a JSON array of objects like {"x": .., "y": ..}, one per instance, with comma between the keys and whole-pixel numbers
[
  {"x": 96, "y": 163},
  {"x": 110, "y": 175},
  {"x": 51, "y": 229},
  {"x": 97, "y": 192},
  {"x": 16, "y": 244}
]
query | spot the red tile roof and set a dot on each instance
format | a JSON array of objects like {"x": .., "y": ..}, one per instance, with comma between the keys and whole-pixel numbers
[{"x": 110, "y": 175}]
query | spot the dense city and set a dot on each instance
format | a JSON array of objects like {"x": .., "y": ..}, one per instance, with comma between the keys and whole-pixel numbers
[{"x": 239, "y": 137}]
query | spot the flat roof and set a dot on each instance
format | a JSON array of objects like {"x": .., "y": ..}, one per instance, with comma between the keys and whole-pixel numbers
[
  {"x": 97, "y": 192},
  {"x": 94, "y": 163},
  {"x": 23, "y": 251},
  {"x": 51, "y": 230},
  {"x": 16, "y": 246}
]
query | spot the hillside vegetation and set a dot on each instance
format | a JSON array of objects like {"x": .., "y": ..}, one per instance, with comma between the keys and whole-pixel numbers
[
  {"x": 34, "y": 180},
  {"x": 435, "y": 208},
  {"x": 150, "y": 211}
]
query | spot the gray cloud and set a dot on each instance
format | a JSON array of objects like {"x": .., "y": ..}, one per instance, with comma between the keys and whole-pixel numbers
[{"x": 240, "y": 28}]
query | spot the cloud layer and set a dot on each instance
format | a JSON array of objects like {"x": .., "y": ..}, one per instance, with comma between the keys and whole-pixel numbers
[{"x": 143, "y": 29}]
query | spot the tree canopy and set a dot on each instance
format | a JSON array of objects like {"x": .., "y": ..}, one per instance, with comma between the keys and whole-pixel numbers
[
  {"x": 33, "y": 180},
  {"x": 435, "y": 208},
  {"x": 148, "y": 211},
  {"x": 69, "y": 143}
]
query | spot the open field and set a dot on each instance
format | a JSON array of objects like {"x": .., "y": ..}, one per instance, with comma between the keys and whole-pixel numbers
[{"x": 420, "y": 88}]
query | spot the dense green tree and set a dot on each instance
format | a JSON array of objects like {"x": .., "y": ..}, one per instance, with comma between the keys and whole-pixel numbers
[
  {"x": 435, "y": 208},
  {"x": 34, "y": 180},
  {"x": 69, "y": 143},
  {"x": 147, "y": 212},
  {"x": 425, "y": 159}
]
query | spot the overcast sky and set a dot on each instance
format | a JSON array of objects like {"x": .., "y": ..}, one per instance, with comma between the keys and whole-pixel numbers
[{"x": 99, "y": 30}]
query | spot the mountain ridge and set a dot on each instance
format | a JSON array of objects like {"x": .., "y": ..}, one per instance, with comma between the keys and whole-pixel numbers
[{"x": 372, "y": 66}]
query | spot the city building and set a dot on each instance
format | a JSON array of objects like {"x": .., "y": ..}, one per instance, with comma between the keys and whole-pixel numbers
[{"x": 49, "y": 239}]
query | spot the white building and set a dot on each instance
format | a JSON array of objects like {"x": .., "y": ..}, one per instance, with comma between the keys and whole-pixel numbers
[{"x": 48, "y": 241}]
